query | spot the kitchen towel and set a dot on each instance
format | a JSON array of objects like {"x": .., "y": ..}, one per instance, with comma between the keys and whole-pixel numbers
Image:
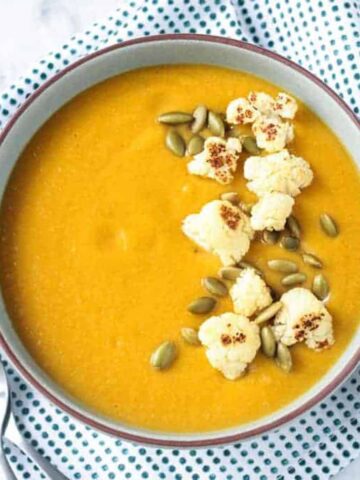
[{"x": 324, "y": 37}]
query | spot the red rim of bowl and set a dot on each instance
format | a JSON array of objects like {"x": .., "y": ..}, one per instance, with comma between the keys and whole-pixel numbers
[{"x": 138, "y": 437}]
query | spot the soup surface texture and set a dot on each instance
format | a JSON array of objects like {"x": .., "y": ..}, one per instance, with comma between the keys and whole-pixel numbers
[{"x": 96, "y": 272}]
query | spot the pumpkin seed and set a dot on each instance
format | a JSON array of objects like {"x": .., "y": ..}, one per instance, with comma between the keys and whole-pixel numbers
[
  {"x": 270, "y": 237},
  {"x": 175, "y": 143},
  {"x": 290, "y": 243},
  {"x": 234, "y": 132},
  {"x": 268, "y": 312},
  {"x": 293, "y": 279},
  {"x": 246, "y": 207},
  {"x": 230, "y": 273},
  {"x": 328, "y": 225},
  {"x": 202, "y": 305},
  {"x": 190, "y": 335},
  {"x": 250, "y": 145},
  {"x": 283, "y": 357},
  {"x": 175, "y": 118},
  {"x": 320, "y": 286},
  {"x": 200, "y": 116},
  {"x": 231, "y": 197},
  {"x": 216, "y": 124},
  {"x": 283, "y": 266},
  {"x": 312, "y": 260},
  {"x": 293, "y": 226},
  {"x": 163, "y": 356},
  {"x": 268, "y": 342},
  {"x": 195, "y": 145},
  {"x": 244, "y": 265},
  {"x": 215, "y": 286}
]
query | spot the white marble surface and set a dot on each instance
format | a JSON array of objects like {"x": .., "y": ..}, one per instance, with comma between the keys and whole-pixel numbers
[{"x": 31, "y": 28}]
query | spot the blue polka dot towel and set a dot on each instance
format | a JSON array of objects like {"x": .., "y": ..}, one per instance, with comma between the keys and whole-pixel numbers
[{"x": 324, "y": 37}]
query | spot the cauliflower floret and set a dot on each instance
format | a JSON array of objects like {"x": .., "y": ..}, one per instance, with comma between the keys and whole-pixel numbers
[
  {"x": 271, "y": 211},
  {"x": 232, "y": 342},
  {"x": 303, "y": 318},
  {"x": 240, "y": 112},
  {"x": 250, "y": 294},
  {"x": 263, "y": 102},
  {"x": 271, "y": 133},
  {"x": 285, "y": 105},
  {"x": 218, "y": 160},
  {"x": 278, "y": 172},
  {"x": 220, "y": 228}
]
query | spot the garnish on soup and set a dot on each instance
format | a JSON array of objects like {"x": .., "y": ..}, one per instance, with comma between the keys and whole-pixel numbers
[{"x": 223, "y": 228}]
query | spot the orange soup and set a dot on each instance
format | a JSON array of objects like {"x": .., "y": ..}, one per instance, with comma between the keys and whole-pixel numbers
[{"x": 96, "y": 272}]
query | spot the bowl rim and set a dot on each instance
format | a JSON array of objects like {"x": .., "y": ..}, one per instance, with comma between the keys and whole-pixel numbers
[{"x": 138, "y": 437}]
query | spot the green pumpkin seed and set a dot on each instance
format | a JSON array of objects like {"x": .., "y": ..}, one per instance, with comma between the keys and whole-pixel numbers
[
  {"x": 250, "y": 145},
  {"x": 270, "y": 237},
  {"x": 268, "y": 313},
  {"x": 234, "y": 132},
  {"x": 328, "y": 225},
  {"x": 312, "y": 260},
  {"x": 290, "y": 243},
  {"x": 246, "y": 207},
  {"x": 268, "y": 341},
  {"x": 190, "y": 335},
  {"x": 320, "y": 286},
  {"x": 202, "y": 305},
  {"x": 293, "y": 279},
  {"x": 200, "y": 116},
  {"x": 163, "y": 356},
  {"x": 195, "y": 145},
  {"x": 216, "y": 124},
  {"x": 244, "y": 265},
  {"x": 283, "y": 357},
  {"x": 215, "y": 286},
  {"x": 231, "y": 197},
  {"x": 175, "y": 143},
  {"x": 283, "y": 266},
  {"x": 293, "y": 226},
  {"x": 175, "y": 118},
  {"x": 230, "y": 273}
]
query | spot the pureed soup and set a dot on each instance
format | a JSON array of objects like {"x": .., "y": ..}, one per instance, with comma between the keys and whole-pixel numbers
[{"x": 97, "y": 273}]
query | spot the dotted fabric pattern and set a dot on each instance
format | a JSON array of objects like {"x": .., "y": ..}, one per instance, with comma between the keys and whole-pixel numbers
[
  {"x": 324, "y": 37},
  {"x": 314, "y": 447}
]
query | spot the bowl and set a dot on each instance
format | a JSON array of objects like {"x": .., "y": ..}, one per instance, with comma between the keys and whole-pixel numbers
[{"x": 149, "y": 51}]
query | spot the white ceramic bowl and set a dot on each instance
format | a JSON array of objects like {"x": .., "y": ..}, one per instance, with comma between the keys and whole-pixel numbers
[{"x": 173, "y": 49}]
